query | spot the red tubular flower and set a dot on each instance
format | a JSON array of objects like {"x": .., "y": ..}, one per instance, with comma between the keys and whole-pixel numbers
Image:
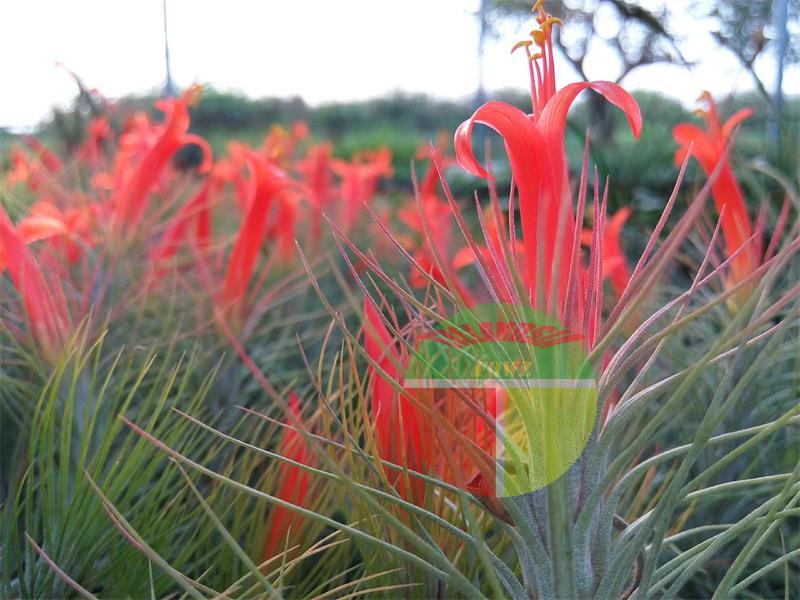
[
  {"x": 67, "y": 232},
  {"x": 33, "y": 170},
  {"x": 196, "y": 211},
  {"x": 279, "y": 144},
  {"x": 359, "y": 181},
  {"x": 48, "y": 159},
  {"x": 615, "y": 265},
  {"x": 270, "y": 182},
  {"x": 400, "y": 427},
  {"x": 92, "y": 148},
  {"x": 293, "y": 486},
  {"x": 315, "y": 170},
  {"x": 432, "y": 212},
  {"x": 535, "y": 146},
  {"x": 44, "y": 301},
  {"x": 709, "y": 148},
  {"x": 135, "y": 179},
  {"x": 282, "y": 226}
]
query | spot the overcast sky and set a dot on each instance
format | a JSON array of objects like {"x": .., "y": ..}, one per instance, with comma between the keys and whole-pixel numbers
[{"x": 318, "y": 49}]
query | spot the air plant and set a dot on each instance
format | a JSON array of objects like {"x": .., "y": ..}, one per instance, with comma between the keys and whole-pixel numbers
[
  {"x": 568, "y": 537},
  {"x": 711, "y": 148}
]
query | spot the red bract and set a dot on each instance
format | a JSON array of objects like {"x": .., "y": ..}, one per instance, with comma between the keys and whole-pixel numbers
[
  {"x": 33, "y": 170},
  {"x": 535, "y": 146},
  {"x": 279, "y": 144},
  {"x": 710, "y": 148},
  {"x": 92, "y": 148},
  {"x": 49, "y": 160},
  {"x": 44, "y": 300},
  {"x": 195, "y": 212},
  {"x": 293, "y": 486},
  {"x": 269, "y": 183},
  {"x": 429, "y": 218},
  {"x": 315, "y": 170},
  {"x": 145, "y": 152},
  {"x": 401, "y": 432},
  {"x": 615, "y": 265},
  {"x": 282, "y": 226},
  {"x": 68, "y": 232},
  {"x": 360, "y": 179}
]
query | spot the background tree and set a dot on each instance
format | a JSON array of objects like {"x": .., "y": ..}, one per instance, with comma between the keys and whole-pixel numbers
[
  {"x": 643, "y": 33},
  {"x": 637, "y": 36},
  {"x": 749, "y": 29}
]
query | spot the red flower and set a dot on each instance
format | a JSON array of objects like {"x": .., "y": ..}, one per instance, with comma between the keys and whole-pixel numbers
[
  {"x": 144, "y": 153},
  {"x": 293, "y": 487},
  {"x": 92, "y": 149},
  {"x": 709, "y": 150},
  {"x": 269, "y": 182},
  {"x": 282, "y": 226},
  {"x": 50, "y": 161},
  {"x": 535, "y": 146},
  {"x": 279, "y": 145},
  {"x": 44, "y": 299},
  {"x": 197, "y": 212},
  {"x": 615, "y": 265},
  {"x": 401, "y": 431},
  {"x": 33, "y": 171},
  {"x": 360, "y": 181},
  {"x": 315, "y": 170}
]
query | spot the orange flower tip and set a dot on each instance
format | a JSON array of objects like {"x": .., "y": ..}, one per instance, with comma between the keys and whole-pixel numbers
[
  {"x": 521, "y": 44},
  {"x": 539, "y": 37},
  {"x": 547, "y": 23},
  {"x": 192, "y": 96},
  {"x": 537, "y": 5},
  {"x": 536, "y": 56}
]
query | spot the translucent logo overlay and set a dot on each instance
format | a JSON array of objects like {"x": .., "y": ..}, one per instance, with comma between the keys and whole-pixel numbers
[{"x": 513, "y": 400}]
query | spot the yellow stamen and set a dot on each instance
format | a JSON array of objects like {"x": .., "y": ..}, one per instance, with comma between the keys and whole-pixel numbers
[
  {"x": 549, "y": 22},
  {"x": 522, "y": 44}
]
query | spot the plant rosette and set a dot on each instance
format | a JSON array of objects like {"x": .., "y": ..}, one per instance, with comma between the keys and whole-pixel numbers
[{"x": 512, "y": 398}]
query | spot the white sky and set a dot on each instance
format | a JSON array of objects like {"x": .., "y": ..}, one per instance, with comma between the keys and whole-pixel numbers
[{"x": 318, "y": 49}]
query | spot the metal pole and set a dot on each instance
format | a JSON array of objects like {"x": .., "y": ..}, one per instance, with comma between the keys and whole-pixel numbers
[
  {"x": 781, "y": 18},
  {"x": 480, "y": 96},
  {"x": 169, "y": 88}
]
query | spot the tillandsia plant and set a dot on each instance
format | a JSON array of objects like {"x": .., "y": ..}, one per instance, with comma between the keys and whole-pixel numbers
[
  {"x": 575, "y": 495},
  {"x": 131, "y": 286},
  {"x": 505, "y": 406}
]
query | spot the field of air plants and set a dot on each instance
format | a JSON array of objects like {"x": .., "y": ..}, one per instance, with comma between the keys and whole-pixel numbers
[{"x": 256, "y": 373}]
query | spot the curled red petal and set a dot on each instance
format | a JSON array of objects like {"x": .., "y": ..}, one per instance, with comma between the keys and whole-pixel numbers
[
  {"x": 735, "y": 119},
  {"x": 44, "y": 303},
  {"x": 518, "y": 131},
  {"x": 554, "y": 115},
  {"x": 205, "y": 148},
  {"x": 269, "y": 182},
  {"x": 703, "y": 147}
]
